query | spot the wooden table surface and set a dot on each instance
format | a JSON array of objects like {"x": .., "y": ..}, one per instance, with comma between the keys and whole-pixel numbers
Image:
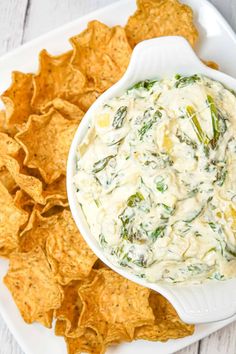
[{"x": 23, "y": 20}]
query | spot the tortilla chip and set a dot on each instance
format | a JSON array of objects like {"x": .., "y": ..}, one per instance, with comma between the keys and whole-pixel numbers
[
  {"x": 67, "y": 109},
  {"x": 31, "y": 282},
  {"x": 102, "y": 54},
  {"x": 36, "y": 231},
  {"x": 211, "y": 64},
  {"x": 56, "y": 78},
  {"x": 99, "y": 264},
  {"x": 54, "y": 206},
  {"x": 46, "y": 141},
  {"x": 68, "y": 314},
  {"x": 3, "y": 121},
  {"x": 17, "y": 99},
  {"x": 67, "y": 252},
  {"x": 116, "y": 306},
  {"x": 24, "y": 201},
  {"x": 89, "y": 342},
  {"x": 31, "y": 185},
  {"x": 8, "y": 145},
  {"x": 55, "y": 195},
  {"x": 167, "y": 325},
  {"x": 87, "y": 99},
  {"x": 57, "y": 189},
  {"x": 156, "y": 18},
  {"x": 7, "y": 180},
  {"x": 12, "y": 218}
]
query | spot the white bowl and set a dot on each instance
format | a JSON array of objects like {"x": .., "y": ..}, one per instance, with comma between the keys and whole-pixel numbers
[{"x": 160, "y": 58}]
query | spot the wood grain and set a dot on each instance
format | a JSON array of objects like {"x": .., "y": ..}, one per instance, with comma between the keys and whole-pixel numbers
[
  {"x": 191, "y": 349},
  {"x": 8, "y": 344},
  {"x": 12, "y": 19},
  {"x": 220, "y": 342},
  {"x": 23, "y": 20},
  {"x": 53, "y": 13}
]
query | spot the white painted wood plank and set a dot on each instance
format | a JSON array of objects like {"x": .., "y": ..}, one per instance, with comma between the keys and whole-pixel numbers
[
  {"x": 220, "y": 342},
  {"x": 8, "y": 344},
  {"x": 12, "y": 17},
  {"x": 191, "y": 349},
  {"x": 44, "y": 15}
]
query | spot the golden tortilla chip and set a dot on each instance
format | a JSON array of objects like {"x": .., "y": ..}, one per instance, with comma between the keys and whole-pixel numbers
[
  {"x": 57, "y": 189},
  {"x": 2, "y": 121},
  {"x": 68, "y": 314},
  {"x": 67, "y": 252},
  {"x": 99, "y": 264},
  {"x": 24, "y": 201},
  {"x": 17, "y": 99},
  {"x": 31, "y": 282},
  {"x": 116, "y": 306},
  {"x": 46, "y": 141},
  {"x": 56, "y": 78},
  {"x": 8, "y": 145},
  {"x": 87, "y": 99},
  {"x": 12, "y": 218},
  {"x": 167, "y": 324},
  {"x": 36, "y": 232},
  {"x": 31, "y": 185},
  {"x": 55, "y": 195},
  {"x": 54, "y": 206},
  {"x": 89, "y": 342},
  {"x": 156, "y": 18},
  {"x": 67, "y": 109},
  {"x": 102, "y": 54},
  {"x": 7, "y": 180},
  {"x": 211, "y": 64}
]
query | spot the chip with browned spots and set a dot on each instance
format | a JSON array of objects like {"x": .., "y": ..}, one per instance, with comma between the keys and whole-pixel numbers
[
  {"x": 12, "y": 218},
  {"x": 24, "y": 201},
  {"x": 56, "y": 78},
  {"x": 17, "y": 99},
  {"x": 30, "y": 184},
  {"x": 46, "y": 141},
  {"x": 87, "y": 99},
  {"x": 8, "y": 145},
  {"x": 3, "y": 121},
  {"x": 156, "y": 18},
  {"x": 90, "y": 342},
  {"x": 7, "y": 180},
  {"x": 33, "y": 287},
  {"x": 102, "y": 54},
  {"x": 69, "y": 313},
  {"x": 55, "y": 194},
  {"x": 128, "y": 306},
  {"x": 167, "y": 322},
  {"x": 68, "y": 254},
  {"x": 36, "y": 231},
  {"x": 67, "y": 109}
]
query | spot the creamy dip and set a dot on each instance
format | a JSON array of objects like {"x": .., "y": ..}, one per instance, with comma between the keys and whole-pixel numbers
[{"x": 156, "y": 179}]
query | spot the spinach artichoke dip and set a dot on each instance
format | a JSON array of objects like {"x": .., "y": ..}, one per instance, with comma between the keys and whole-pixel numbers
[{"x": 155, "y": 176}]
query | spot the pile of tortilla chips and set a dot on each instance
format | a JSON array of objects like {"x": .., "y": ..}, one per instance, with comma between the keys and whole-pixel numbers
[{"x": 53, "y": 274}]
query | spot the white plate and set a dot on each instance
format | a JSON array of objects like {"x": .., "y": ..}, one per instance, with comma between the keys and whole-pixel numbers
[{"x": 216, "y": 39}]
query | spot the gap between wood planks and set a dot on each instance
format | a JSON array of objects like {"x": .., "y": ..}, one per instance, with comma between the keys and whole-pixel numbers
[{"x": 27, "y": 10}]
